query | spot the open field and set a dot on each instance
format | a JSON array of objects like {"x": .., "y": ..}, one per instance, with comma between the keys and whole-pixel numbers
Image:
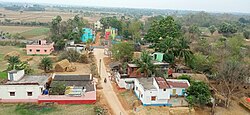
[
  {"x": 16, "y": 29},
  {"x": 35, "y": 32},
  {"x": 39, "y": 16}
]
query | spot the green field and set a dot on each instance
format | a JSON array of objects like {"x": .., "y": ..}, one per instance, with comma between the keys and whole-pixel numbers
[{"x": 35, "y": 32}]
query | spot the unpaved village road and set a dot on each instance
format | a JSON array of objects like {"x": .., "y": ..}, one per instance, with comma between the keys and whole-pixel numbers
[{"x": 108, "y": 91}]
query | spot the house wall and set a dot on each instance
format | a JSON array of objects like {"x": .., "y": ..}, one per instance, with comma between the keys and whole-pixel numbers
[
  {"x": 42, "y": 48},
  {"x": 121, "y": 82},
  {"x": 20, "y": 93},
  {"x": 179, "y": 91},
  {"x": 16, "y": 76},
  {"x": 145, "y": 95}
]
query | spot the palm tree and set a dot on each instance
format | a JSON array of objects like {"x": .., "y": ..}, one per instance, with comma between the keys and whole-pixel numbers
[
  {"x": 46, "y": 64},
  {"x": 13, "y": 61},
  {"x": 145, "y": 64},
  {"x": 183, "y": 51}
]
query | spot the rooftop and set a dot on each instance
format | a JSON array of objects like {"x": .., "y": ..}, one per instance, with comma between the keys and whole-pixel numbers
[
  {"x": 162, "y": 83},
  {"x": 74, "y": 80},
  {"x": 30, "y": 80},
  {"x": 147, "y": 83},
  {"x": 178, "y": 83}
]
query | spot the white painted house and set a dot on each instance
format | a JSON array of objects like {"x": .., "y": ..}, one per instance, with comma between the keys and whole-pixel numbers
[
  {"x": 21, "y": 88},
  {"x": 178, "y": 87},
  {"x": 152, "y": 91}
]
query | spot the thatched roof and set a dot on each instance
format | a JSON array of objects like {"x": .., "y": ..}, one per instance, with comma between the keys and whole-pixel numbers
[
  {"x": 194, "y": 76},
  {"x": 13, "y": 53},
  {"x": 62, "y": 65}
]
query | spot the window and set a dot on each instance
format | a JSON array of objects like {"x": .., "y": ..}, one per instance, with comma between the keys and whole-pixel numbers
[
  {"x": 37, "y": 50},
  {"x": 153, "y": 98},
  {"x": 29, "y": 93},
  {"x": 164, "y": 89},
  {"x": 45, "y": 50},
  {"x": 30, "y": 50},
  {"x": 12, "y": 93}
]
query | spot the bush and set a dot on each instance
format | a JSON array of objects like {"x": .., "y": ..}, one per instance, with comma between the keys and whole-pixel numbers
[
  {"x": 71, "y": 55},
  {"x": 99, "y": 110},
  {"x": 83, "y": 59},
  {"x": 185, "y": 77}
]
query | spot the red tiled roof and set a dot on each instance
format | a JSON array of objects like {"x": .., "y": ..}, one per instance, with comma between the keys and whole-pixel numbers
[
  {"x": 178, "y": 84},
  {"x": 161, "y": 82}
]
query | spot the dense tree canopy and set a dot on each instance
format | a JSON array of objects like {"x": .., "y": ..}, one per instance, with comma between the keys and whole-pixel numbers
[
  {"x": 227, "y": 29},
  {"x": 199, "y": 93},
  {"x": 122, "y": 51}
]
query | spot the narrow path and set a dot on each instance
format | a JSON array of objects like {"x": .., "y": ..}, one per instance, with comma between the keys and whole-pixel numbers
[
  {"x": 97, "y": 39},
  {"x": 108, "y": 91}
]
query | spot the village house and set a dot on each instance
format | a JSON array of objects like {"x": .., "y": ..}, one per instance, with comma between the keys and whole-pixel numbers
[
  {"x": 111, "y": 33},
  {"x": 98, "y": 25},
  {"x": 88, "y": 34},
  {"x": 178, "y": 86},
  {"x": 79, "y": 89},
  {"x": 40, "y": 47},
  {"x": 157, "y": 91},
  {"x": 22, "y": 88},
  {"x": 152, "y": 91}
]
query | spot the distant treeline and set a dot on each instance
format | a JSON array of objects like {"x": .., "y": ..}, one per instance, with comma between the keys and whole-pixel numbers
[
  {"x": 25, "y": 8},
  {"x": 8, "y": 22}
]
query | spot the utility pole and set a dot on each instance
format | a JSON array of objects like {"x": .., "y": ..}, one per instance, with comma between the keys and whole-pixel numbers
[{"x": 100, "y": 65}]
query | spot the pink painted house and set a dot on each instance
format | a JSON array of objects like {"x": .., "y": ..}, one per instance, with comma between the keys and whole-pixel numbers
[{"x": 40, "y": 47}]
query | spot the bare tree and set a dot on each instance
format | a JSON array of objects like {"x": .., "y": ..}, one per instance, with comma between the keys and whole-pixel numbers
[{"x": 231, "y": 76}]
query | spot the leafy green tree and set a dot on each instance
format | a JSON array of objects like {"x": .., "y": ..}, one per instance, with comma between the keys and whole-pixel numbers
[
  {"x": 58, "y": 88},
  {"x": 227, "y": 29},
  {"x": 122, "y": 51},
  {"x": 134, "y": 28},
  {"x": 246, "y": 34},
  {"x": 13, "y": 61},
  {"x": 183, "y": 51},
  {"x": 212, "y": 29},
  {"x": 112, "y": 22},
  {"x": 199, "y": 92},
  {"x": 164, "y": 28},
  {"x": 145, "y": 64},
  {"x": 185, "y": 77},
  {"x": 194, "y": 29},
  {"x": 46, "y": 64},
  {"x": 202, "y": 63}
]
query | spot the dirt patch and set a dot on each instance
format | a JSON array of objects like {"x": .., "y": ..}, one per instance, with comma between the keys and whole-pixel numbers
[{"x": 107, "y": 61}]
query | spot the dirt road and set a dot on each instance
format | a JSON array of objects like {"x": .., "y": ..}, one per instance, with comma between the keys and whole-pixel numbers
[{"x": 108, "y": 91}]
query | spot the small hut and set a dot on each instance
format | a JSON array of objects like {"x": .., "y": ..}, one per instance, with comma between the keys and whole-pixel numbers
[
  {"x": 10, "y": 54},
  {"x": 64, "y": 66}
]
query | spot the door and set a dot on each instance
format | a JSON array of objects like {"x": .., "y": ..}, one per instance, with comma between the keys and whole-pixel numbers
[
  {"x": 174, "y": 92},
  {"x": 11, "y": 77}
]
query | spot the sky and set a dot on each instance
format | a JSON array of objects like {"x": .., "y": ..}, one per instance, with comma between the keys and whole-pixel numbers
[{"x": 242, "y": 6}]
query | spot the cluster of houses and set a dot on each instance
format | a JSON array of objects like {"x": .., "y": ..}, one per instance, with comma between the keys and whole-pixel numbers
[
  {"x": 154, "y": 90},
  {"x": 78, "y": 89}
]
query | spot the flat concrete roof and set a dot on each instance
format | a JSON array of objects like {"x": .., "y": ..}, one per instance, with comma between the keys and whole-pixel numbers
[
  {"x": 30, "y": 80},
  {"x": 147, "y": 83}
]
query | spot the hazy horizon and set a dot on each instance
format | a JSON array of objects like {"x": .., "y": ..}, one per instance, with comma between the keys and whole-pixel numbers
[{"x": 241, "y": 6}]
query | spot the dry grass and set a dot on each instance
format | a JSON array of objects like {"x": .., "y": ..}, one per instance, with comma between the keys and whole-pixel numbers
[{"x": 16, "y": 29}]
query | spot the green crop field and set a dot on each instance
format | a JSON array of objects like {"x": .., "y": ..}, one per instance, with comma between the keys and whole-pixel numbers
[{"x": 35, "y": 32}]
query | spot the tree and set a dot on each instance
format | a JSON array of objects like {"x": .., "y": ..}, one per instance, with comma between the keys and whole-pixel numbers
[
  {"x": 145, "y": 64},
  {"x": 13, "y": 61},
  {"x": 46, "y": 64},
  {"x": 185, "y": 77},
  {"x": 199, "y": 93},
  {"x": 246, "y": 34},
  {"x": 212, "y": 29},
  {"x": 58, "y": 88},
  {"x": 227, "y": 29},
  {"x": 134, "y": 28},
  {"x": 112, "y": 22},
  {"x": 71, "y": 55},
  {"x": 231, "y": 75},
  {"x": 122, "y": 51},
  {"x": 164, "y": 29}
]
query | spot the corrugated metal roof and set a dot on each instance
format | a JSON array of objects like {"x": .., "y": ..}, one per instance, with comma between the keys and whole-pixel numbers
[{"x": 162, "y": 83}]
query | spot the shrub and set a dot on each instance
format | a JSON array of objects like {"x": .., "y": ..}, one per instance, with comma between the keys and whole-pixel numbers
[
  {"x": 71, "y": 55},
  {"x": 185, "y": 77}
]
